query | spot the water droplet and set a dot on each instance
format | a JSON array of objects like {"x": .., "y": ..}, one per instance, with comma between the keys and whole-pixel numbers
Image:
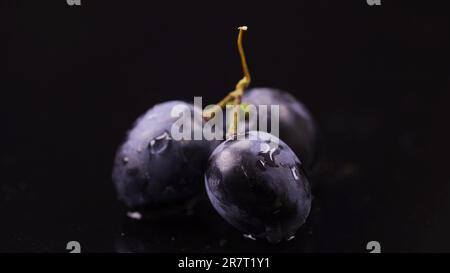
[
  {"x": 215, "y": 177},
  {"x": 294, "y": 172},
  {"x": 245, "y": 172},
  {"x": 159, "y": 144},
  {"x": 249, "y": 236},
  {"x": 150, "y": 116},
  {"x": 291, "y": 237},
  {"x": 125, "y": 160},
  {"x": 272, "y": 151},
  {"x": 261, "y": 164},
  {"x": 214, "y": 182},
  {"x": 134, "y": 215},
  {"x": 268, "y": 155}
]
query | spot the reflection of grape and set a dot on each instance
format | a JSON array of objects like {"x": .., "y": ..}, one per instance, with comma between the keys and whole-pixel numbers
[
  {"x": 151, "y": 169},
  {"x": 258, "y": 186},
  {"x": 296, "y": 125}
]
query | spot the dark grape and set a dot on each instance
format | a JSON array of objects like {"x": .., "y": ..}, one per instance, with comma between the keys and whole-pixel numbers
[
  {"x": 259, "y": 186},
  {"x": 154, "y": 171},
  {"x": 296, "y": 127}
]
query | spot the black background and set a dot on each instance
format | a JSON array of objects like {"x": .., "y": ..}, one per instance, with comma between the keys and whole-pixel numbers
[{"x": 74, "y": 79}]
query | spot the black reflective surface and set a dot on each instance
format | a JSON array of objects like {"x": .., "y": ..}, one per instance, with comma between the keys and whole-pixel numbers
[{"x": 74, "y": 79}]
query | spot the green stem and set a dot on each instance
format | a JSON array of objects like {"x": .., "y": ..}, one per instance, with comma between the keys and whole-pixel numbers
[{"x": 235, "y": 96}]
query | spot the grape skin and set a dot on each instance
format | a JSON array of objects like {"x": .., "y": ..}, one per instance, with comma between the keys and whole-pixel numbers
[
  {"x": 258, "y": 187},
  {"x": 153, "y": 170},
  {"x": 297, "y": 128}
]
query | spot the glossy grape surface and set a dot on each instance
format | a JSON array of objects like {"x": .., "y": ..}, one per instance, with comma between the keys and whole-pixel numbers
[
  {"x": 153, "y": 170},
  {"x": 259, "y": 186},
  {"x": 296, "y": 126}
]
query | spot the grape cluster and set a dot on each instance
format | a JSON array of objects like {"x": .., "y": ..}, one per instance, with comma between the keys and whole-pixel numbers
[{"x": 256, "y": 181}]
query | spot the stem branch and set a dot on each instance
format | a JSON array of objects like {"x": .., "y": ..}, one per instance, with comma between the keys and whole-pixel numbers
[{"x": 235, "y": 96}]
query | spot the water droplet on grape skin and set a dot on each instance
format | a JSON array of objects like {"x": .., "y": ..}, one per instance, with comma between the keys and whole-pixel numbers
[
  {"x": 271, "y": 153},
  {"x": 125, "y": 160},
  {"x": 159, "y": 144},
  {"x": 268, "y": 156},
  {"x": 244, "y": 171},
  {"x": 294, "y": 172},
  {"x": 249, "y": 236},
  {"x": 134, "y": 215},
  {"x": 261, "y": 165}
]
